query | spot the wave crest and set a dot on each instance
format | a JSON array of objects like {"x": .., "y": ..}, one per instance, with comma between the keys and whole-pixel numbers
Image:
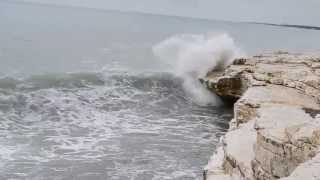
[{"x": 192, "y": 56}]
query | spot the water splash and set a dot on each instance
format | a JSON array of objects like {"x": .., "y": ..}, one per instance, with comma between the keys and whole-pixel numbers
[{"x": 191, "y": 56}]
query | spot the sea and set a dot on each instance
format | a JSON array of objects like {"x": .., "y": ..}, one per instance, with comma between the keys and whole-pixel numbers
[{"x": 94, "y": 94}]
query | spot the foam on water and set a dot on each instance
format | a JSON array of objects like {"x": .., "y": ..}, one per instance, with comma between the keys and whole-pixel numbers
[
  {"x": 131, "y": 126},
  {"x": 114, "y": 123}
]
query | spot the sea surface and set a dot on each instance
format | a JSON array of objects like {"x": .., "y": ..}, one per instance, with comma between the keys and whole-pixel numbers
[{"x": 83, "y": 95}]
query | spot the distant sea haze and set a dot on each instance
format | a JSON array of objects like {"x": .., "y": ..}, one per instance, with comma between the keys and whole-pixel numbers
[{"x": 294, "y": 12}]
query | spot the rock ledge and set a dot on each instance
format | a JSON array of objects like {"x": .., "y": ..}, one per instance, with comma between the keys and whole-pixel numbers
[{"x": 275, "y": 132}]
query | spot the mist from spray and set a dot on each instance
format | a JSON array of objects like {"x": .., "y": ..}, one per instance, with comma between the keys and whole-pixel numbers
[{"x": 191, "y": 57}]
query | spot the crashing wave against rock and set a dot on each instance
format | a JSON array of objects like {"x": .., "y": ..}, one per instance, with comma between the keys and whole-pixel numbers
[{"x": 275, "y": 132}]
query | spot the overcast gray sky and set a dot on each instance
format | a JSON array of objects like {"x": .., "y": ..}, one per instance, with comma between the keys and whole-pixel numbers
[{"x": 305, "y": 12}]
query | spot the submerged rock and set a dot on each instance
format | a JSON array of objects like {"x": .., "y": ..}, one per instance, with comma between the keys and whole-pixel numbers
[{"x": 275, "y": 132}]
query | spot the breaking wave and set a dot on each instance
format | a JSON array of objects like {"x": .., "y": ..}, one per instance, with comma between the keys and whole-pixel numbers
[
  {"x": 82, "y": 121},
  {"x": 114, "y": 122},
  {"x": 192, "y": 56}
]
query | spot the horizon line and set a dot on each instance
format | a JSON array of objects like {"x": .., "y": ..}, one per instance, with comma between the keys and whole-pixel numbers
[{"x": 298, "y": 26}]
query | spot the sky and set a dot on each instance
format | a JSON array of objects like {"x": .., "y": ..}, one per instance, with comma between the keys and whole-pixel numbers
[{"x": 302, "y": 12}]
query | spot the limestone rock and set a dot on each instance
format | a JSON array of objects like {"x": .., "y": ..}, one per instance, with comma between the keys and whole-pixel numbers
[
  {"x": 275, "y": 131},
  {"x": 239, "y": 152},
  {"x": 307, "y": 171},
  {"x": 235, "y": 156},
  {"x": 282, "y": 140},
  {"x": 257, "y": 96},
  {"x": 298, "y": 71}
]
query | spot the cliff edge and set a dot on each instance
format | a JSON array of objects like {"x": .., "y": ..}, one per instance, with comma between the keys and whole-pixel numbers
[{"x": 275, "y": 132}]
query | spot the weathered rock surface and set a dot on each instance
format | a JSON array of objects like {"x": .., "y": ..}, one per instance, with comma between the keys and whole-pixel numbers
[
  {"x": 299, "y": 71},
  {"x": 276, "y": 126},
  {"x": 307, "y": 171},
  {"x": 286, "y": 137},
  {"x": 239, "y": 154}
]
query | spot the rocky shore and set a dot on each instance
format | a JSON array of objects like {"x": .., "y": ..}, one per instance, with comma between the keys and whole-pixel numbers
[{"x": 275, "y": 132}]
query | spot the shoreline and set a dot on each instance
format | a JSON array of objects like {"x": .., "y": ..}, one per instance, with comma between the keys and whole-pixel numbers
[{"x": 275, "y": 132}]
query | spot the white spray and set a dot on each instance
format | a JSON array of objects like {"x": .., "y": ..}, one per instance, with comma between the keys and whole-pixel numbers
[{"x": 193, "y": 56}]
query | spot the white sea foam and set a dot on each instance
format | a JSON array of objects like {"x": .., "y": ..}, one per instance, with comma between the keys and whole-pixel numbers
[{"x": 192, "y": 56}]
